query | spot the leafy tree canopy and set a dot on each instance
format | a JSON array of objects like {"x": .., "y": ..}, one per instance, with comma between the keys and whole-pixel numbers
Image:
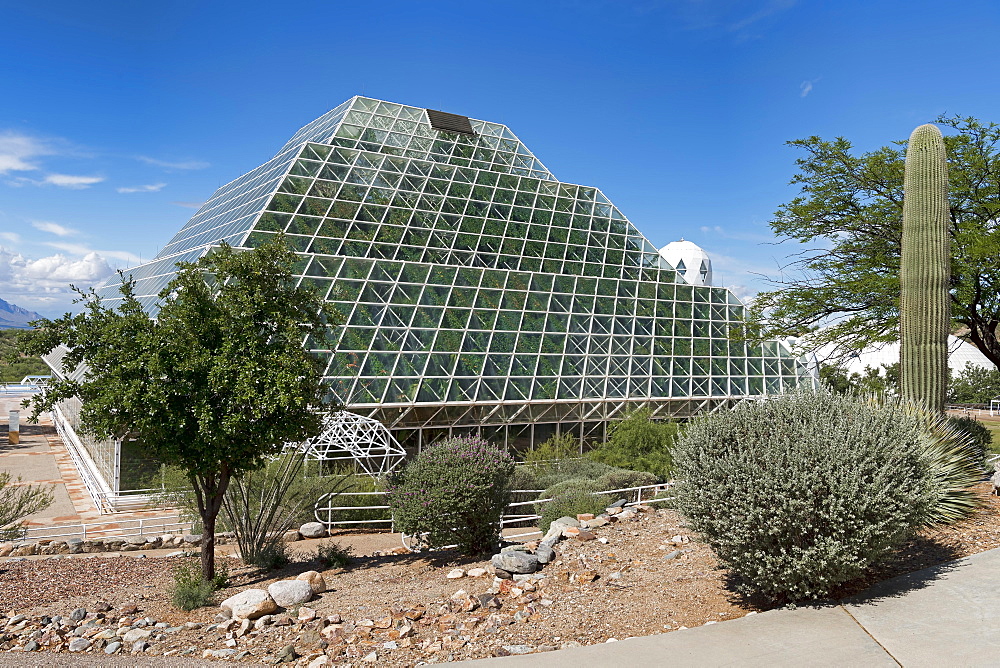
[
  {"x": 848, "y": 219},
  {"x": 216, "y": 382}
]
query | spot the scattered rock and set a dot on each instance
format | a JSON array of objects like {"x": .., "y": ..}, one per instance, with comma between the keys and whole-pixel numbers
[
  {"x": 289, "y": 593},
  {"x": 315, "y": 581},
  {"x": 508, "y": 650},
  {"x": 286, "y": 654},
  {"x": 455, "y": 574},
  {"x": 112, "y": 647},
  {"x": 78, "y": 614},
  {"x": 31, "y": 646},
  {"x": 79, "y": 644},
  {"x": 584, "y": 517},
  {"x": 306, "y": 614},
  {"x": 545, "y": 554},
  {"x": 477, "y": 572},
  {"x": 250, "y": 604}
]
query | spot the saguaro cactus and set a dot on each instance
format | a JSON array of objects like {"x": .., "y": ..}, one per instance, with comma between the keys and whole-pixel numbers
[{"x": 924, "y": 271}]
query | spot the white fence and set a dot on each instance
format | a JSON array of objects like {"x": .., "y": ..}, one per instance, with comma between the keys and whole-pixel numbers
[
  {"x": 324, "y": 510},
  {"x": 154, "y": 526}
]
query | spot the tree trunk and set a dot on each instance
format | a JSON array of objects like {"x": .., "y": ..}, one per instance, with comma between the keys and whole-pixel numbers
[{"x": 209, "y": 491}]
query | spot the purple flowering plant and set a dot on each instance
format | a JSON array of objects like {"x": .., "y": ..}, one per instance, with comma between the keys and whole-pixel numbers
[{"x": 456, "y": 492}]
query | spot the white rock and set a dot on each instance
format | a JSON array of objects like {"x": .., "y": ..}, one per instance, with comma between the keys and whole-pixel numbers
[
  {"x": 250, "y": 604},
  {"x": 455, "y": 574},
  {"x": 476, "y": 572},
  {"x": 135, "y": 634},
  {"x": 312, "y": 530},
  {"x": 289, "y": 593},
  {"x": 319, "y": 661}
]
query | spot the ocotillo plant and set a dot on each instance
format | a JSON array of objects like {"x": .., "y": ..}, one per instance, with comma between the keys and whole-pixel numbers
[{"x": 924, "y": 271}]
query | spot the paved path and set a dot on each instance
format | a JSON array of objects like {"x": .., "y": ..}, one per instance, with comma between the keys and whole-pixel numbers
[
  {"x": 946, "y": 615},
  {"x": 41, "y": 458}
]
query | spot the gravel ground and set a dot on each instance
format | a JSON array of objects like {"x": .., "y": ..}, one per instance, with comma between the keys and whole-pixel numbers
[{"x": 593, "y": 592}]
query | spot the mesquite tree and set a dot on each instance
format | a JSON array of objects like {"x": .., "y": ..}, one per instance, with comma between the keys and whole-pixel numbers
[
  {"x": 924, "y": 271},
  {"x": 215, "y": 382}
]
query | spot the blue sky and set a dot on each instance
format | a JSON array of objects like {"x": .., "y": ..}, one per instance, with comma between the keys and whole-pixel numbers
[{"x": 119, "y": 118}]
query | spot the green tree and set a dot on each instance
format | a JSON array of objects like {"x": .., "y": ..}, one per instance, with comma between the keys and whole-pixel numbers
[
  {"x": 639, "y": 443},
  {"x": 216, "y": 383},
  {"x": 974, "y": 385},
  {"x": 848, "y": 221}
]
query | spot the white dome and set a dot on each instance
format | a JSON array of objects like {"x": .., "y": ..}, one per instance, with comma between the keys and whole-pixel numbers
[
  {"x": 878, "y": 356},
  {"x": 690, "y": 260}
]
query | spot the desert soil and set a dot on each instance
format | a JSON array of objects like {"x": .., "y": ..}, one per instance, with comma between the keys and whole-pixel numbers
[{"x": 633, "y": 584}]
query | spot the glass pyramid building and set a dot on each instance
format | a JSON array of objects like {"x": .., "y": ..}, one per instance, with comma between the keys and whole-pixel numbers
[{"x": 478, "y": 292}]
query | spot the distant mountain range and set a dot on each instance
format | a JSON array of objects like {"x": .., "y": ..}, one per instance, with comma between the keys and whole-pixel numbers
[{"x": 13, "y": 316}]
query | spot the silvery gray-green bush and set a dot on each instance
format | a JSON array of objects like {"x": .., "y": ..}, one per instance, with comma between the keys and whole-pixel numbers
[{"x": 801, "y": 493}]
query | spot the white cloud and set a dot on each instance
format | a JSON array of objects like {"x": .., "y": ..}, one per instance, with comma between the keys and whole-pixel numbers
[
  {"x": 182, "y": 164},
  {"x": 806, "y": 87},
  {"x": 189, "y": 205},
  {"x": 151, "y": 188},
  {"x": 71, "y": 181},
  {"x": 17, "y": 151},
  {"x": 80, "y": 249},
  {"x": 12, "y": 237},
  {"x": 43, "y": 283},
  {"x": 54, "y": 228}
]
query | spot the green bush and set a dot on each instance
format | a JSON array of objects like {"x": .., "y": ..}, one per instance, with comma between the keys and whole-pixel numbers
[
  {"x": 980, "y": 437},
  {"x": 190, "y": 591},
  {"x": 568, "y": 469},
  {"x": 570, "y": 498},
  {"x": 626, "y": 479},
  {"x": 334, "y": 555},
  {"x": 524, "y": 478},
  {"x": 456, "y": 492},
  {"x": 801, "y": 493},
  {"x": 639, "y": 443}
]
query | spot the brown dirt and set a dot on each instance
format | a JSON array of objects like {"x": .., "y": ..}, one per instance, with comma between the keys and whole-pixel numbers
[{"x": 595, "y": 591}]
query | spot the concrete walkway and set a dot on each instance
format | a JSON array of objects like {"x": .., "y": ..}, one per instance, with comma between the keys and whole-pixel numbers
[{"x": 946, "y": 615}]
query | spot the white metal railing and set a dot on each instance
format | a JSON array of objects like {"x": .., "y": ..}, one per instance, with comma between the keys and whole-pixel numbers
[
  {"x": 633, "y": 495},
  {"x": 113, "y": 529},
  {"x": 98, "y": 491}
]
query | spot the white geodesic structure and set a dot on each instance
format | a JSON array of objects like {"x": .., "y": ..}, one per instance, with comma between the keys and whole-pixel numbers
[{"x": 363, "y": 439}]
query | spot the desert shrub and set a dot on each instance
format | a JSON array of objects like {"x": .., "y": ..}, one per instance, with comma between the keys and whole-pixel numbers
[
  {"x": 564, "y": 446},
  {"x": 334, "y": 555},
  {"x": 189, "y": 591},
  {"x": 456, "y": 492},
  {"x": 980, "y": 437},
  {"x": 625, "y": 479},
  {"x": 639, "y": 443},
  {"x": 524, "y": 478},
  {"x": 261, "y": 505},
  {"x": 18, "y": 500},
  {"x": 568, "y": 469},
  {"x": 570, "y": 498},
  {"x": 801, "y": 493}
]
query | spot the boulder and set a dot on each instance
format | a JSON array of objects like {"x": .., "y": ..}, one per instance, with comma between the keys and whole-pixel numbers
[
  {"x": 312, "y": 530},
  {"x": 250, "y": 604},
  {"x": 289, "y": 593},
  {"x": 564, "y": 522},
  {"x": 515, "y": 562},
  {"x": 545, "y": 554},
  {"x": 315, "y": 581},
  {"x": 291, "y": 536},
  {"x": 191, "y": 539}
]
